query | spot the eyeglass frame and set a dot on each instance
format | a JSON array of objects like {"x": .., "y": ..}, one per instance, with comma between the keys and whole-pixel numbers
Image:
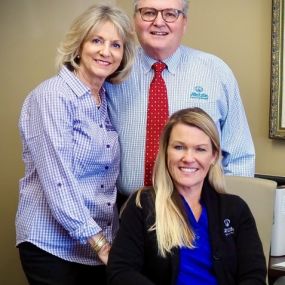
[{"x": 179, "y": 12}]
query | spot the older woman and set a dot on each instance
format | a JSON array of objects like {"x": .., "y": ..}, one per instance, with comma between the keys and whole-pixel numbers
[
  {"x": 185, "y": 229},
  {"x": 67, "y": 218}
]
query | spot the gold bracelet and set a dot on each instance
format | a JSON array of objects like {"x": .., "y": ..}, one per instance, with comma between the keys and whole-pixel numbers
[{"x": 98, "y": 243}]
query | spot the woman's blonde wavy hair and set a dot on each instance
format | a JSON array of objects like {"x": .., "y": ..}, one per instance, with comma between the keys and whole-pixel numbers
[
  {"x": 82, "y": 29},
  {"x": 171, "y": 225}
]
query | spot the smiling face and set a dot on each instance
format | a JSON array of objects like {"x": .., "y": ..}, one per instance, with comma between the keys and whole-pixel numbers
[
  {"x": 158, "y": 38},
  {"x": 189, "y": 157},
  {"x": 101, "y": 54}
]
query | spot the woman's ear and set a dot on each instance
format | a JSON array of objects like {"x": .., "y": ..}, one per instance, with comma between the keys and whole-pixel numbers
[{"x": 215, "y": 158}]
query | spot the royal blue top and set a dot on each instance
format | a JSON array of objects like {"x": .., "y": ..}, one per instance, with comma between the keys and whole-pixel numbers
[{"x": 196, "y": 265}]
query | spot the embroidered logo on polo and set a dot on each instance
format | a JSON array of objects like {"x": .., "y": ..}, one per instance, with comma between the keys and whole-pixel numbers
[
  {"x": 199, "y": 93},
  {"x": 228, "y": 229}
]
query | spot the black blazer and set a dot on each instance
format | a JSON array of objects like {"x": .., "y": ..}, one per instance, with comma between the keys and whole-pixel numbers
[{"x": 237, "y": 251}]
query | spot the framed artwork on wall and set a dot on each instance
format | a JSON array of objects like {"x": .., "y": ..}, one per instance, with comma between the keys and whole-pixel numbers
[{"x": 277, "y": 96}]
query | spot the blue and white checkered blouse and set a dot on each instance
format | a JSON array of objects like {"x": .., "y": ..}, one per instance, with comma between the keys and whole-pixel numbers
[{"x": 71, "y": 155}]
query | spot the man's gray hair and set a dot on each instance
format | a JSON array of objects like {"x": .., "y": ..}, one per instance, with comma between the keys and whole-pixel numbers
[{"x": 184, "y": 2}]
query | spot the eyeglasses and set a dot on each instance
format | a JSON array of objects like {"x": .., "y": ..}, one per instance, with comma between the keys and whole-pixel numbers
[{"x": 168, "y": 15}]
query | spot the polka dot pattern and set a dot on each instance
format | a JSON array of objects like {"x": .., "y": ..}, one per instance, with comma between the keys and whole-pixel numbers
[{"x": 157, "y": 115}]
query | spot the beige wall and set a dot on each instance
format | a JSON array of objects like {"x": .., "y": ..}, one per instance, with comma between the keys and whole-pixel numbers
[
  {"x": 237, "y": 31},
  {"x": 30, "y": 32},
  {"x": 240, "y": 33}
]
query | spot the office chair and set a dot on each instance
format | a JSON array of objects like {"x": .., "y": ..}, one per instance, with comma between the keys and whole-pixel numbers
[
  {"x": 259, "y": 194},
  {"x": 280, "y": 281}
]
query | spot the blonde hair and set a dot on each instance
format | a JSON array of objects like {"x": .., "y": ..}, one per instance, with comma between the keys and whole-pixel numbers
[
  {"x": 84, "y": 26},
  {"x": 171, "y": 224}
]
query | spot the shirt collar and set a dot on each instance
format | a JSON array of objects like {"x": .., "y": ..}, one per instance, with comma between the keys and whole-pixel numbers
[
  {"x": 172, "y": 62},
  {"x": 76, "y": 85}
]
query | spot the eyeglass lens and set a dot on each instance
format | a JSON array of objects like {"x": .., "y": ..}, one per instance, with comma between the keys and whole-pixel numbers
[{"x": 168, "y": 15}]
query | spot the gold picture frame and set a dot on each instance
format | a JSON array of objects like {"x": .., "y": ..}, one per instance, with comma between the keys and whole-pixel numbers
[{"x": 277, "y": 96}]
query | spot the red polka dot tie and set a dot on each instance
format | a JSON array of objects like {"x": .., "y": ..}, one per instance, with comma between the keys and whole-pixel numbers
[{"x": 157, "y": 115}]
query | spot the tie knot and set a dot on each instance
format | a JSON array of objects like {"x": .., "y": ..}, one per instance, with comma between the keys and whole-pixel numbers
[{"x": 158, "y": 66}]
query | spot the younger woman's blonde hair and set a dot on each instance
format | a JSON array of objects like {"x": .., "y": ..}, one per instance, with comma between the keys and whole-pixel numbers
[
  {"x": 82, "y": 29},
  {"x": 171, "y": 224}
]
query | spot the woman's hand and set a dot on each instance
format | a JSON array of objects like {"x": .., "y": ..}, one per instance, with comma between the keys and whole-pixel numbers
[
  {"x": 101, "y": 246},
  {"x": 103, "y": 253}
]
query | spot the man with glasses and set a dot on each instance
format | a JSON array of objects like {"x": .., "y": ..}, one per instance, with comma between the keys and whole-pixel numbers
[{"x": 193, "y": 79}]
